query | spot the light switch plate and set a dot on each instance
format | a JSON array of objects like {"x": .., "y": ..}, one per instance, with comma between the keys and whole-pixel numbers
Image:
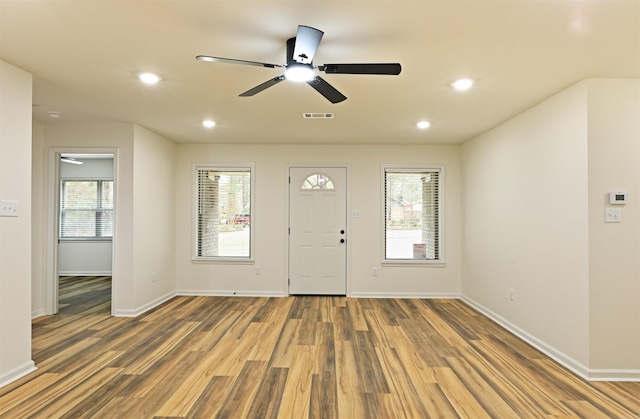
[
  {"x": 612, "y": 215},
  {"x": 8, "y": 208}
]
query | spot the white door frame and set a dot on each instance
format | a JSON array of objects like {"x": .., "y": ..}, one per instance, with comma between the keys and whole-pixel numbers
[
  {"x": 52, "y": 221},
  {"x": 288, "y": 219}
]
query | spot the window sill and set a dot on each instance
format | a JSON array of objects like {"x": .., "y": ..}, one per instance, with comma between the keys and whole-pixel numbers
[
  {"x": 86, "y": 240},
  {"x": 420, "y": 263},
  {"x": 223, "y": 261}
]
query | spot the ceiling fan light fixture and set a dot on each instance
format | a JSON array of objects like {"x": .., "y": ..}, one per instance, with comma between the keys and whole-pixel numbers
[
  {"x": 423, "y": 124},
  {"x": 208, "y": 123},
  {"x": 299, "y": 72}
]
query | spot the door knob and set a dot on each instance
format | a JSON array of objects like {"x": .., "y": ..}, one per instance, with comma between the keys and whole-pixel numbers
[
  {"x": 341, "y": 231},
  {"x": 341, "y": 240}
]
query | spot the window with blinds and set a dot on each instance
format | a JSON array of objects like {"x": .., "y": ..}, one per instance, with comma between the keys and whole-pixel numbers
[
  {"x": 86, "y": 209},
  {"x": 412, "y": 208},
  {"x": 224, "y": 212}
]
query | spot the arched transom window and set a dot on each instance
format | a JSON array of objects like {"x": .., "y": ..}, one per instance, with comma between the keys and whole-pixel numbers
[{"x": 317, "y": 181}]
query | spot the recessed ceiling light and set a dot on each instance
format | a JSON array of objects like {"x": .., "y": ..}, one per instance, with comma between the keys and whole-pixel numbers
[
  {"x": 208, "y": 123},
  {"x": 149, "y": 78},
  {"x": 55, "y": 115},
  {"x": 462, "y": 84},
  {"x": 423, "y": 124}
]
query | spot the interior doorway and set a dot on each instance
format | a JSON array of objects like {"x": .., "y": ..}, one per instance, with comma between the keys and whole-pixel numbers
[{"x": 83, "y": 213}]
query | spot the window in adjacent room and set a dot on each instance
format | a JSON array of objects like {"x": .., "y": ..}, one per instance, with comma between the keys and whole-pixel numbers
[
  {"x": 224, "y": 223},
  {"x": 412, "y": 211},
  {"x": 86, "y": 209}
]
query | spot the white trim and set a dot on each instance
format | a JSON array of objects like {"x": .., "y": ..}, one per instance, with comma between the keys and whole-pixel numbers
[
  {"x": 17, "y": 373},
  {"x": 414, "y": 262},
  {"x": 85, "y": 273},
  {"x": 412, "y": 168},
  {"x": 52, "y": 220},
  {"x": 152, "y": 304},
  {"x": 614, "y": 375},
  {"x": 565, "y": 360},
  {"x": 227, "y": 293},
  {"x": 432, "y": 295},
  {"x": 37, "y": 313},
  {"x": 576, "y": 367},
  {"x": 194, "y": 211}
]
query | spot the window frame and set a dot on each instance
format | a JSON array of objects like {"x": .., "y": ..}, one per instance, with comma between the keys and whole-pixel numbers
[
  {"x": 99, "y": 181},
  {"x": 415, "y": 169},
  {"x": 223, "y": 167}
]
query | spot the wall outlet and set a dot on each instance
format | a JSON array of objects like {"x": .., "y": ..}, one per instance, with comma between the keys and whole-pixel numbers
[
  {"x": 258, "y": 270},
  {"x": 355, "y": 213},
  {"x": 8, "y": 208},
  {"x": 374, "y": 271}
]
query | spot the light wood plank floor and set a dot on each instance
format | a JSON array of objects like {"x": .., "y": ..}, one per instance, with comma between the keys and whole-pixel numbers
[{"x": 296, "y": 357}]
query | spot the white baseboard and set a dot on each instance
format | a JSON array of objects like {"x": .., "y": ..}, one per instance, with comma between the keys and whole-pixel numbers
[
  {"x": 37, "y": 313},
  {"x": 138, "y": 311},
  {"x": 17, "y": 373},
  {"x": 227, "y": 293},
  {"x": 563, "y": 359},
  {"x": 614, "y": 375},
  {"x": 445, "y": 295}
]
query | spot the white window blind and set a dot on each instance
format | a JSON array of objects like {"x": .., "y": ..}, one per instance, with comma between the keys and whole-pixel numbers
[
  {"x": 86, "y": 209},
  {"x": 412, "y": 214},
  {"x": 223, "y": 213}
]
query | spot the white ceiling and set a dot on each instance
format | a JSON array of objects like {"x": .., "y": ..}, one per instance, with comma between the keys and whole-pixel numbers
[{"x": 85, "y": 57}]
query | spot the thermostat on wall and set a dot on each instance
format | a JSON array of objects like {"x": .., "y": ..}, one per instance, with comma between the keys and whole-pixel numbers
[{"x": 617, "y": 197}]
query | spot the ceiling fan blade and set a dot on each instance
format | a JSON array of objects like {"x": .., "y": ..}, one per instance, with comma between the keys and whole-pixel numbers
[
  {"x": 392, "y": 69},
  {"x": 234, "y": 61},
  {"x": 307, "y": 41},
  {"x": 259, "y": 88},
  {"x": 326, "y": 90}
]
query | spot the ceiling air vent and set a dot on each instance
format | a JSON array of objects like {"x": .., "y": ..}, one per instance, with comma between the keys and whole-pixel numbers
[{"x": 317, "y": 115}]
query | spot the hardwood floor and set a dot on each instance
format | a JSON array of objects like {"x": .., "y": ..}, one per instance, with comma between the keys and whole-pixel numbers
[{"x": 296, "y": 357}]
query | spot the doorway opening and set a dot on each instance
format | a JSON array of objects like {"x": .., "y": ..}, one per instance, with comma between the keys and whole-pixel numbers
[{"x": 83, "y": 210}]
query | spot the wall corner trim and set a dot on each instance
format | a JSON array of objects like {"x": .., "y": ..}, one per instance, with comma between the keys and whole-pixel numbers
[
  {"x": 140, "y": 310},
  {"x": 17, "y": 373}
]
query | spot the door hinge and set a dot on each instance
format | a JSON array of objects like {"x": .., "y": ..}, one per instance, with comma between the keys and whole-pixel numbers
[{"x": 289, "y": 230}]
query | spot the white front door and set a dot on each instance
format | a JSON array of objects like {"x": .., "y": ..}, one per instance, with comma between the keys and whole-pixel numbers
[{"x": 317, "y": 230}]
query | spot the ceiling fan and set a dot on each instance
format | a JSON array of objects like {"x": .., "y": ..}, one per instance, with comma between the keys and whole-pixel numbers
[{"x": 300, "y": 67}]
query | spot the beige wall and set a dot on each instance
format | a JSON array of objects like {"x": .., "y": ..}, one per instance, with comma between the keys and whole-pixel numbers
[
  {"x": 533, "y": 221},
  {"x": 270, "y": 219},
  {"x": 144, "y": 196},
  {"x": 38, "y": 230},
  {"x": 614, "y": 248},
  {"x": 15, "y": 232},
  {"x": 154, "y": 214},
  {"x": 525, "y": 223},
  {"x": 58, "y": 136}
]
